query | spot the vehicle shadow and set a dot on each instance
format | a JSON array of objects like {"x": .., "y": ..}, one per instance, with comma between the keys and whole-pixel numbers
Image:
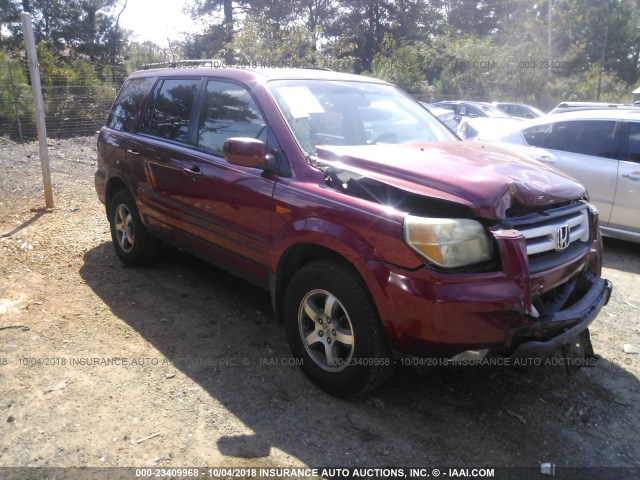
[{"x": 221, "y": 333}]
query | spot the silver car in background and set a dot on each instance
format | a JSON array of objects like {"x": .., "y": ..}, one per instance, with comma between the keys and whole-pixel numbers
[{"x": 601, "y": 149}]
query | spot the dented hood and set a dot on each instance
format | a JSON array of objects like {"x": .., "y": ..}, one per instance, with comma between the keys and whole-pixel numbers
[{"x": 486, "y": 178}]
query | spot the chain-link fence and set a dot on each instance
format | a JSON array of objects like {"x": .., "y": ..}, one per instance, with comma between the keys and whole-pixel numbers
[{"x": 77, "y": 98}]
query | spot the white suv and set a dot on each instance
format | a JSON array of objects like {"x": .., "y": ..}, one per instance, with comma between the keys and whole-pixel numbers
[{"x": 600, "y": 148}]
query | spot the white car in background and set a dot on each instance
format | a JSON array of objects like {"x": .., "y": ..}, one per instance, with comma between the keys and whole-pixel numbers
[{"x": 601, "y": 149}]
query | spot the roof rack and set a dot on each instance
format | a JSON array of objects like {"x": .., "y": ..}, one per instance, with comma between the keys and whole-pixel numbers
[
  {"x": 208, "y": 62},
  {"x": 217, "y": 63}
]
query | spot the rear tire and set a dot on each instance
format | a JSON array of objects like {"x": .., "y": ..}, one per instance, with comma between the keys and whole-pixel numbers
[
  {"x": 131, "y": 241},
  {"x": 333, "y": 328}
]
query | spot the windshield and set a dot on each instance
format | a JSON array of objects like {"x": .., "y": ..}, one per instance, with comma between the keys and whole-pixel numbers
[{"x": 322, "y": 112}]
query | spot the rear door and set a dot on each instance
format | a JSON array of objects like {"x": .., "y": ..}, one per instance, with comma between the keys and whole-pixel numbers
[
  {"x": 163, "y": 154},
  {"x": 626, "y": 208}
]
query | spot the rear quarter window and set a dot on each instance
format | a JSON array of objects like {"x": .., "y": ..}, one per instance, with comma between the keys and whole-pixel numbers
[
  {"x": 633, "y": 153},
  {"x": 125, "y": 113}
]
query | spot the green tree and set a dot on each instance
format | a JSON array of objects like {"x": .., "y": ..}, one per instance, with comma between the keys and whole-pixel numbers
[
  {"x": 219, "y": 34},
  {"x": 605, "y": 33},
  {"x": 16, "y": 104},
  {"x": 473, "y": 17},
  {"x": 73, "y": 27},
  {"x": 362, "y": 24},
  {"x": 402, "y": 65}
]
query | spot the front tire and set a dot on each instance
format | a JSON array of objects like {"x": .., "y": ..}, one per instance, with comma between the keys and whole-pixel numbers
[
  {"x": 131, "y": 241},
  {"x": 333, "y": 327}
]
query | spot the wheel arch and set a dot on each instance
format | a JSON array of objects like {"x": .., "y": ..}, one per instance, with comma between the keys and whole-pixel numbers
[
  {"x": 292, "y": 260},
  {"x": 114, "y": 185},
  {"x": 300, "y": 254}
]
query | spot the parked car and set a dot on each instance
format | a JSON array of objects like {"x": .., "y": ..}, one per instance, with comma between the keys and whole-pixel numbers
[
  {"x": 380, "y": 236},
  {"x": 564, "y": 107},
  {"x": 520, "y": 110},
  {"x": 600, "y": 148},
  {"x": 446, "y": 116},
  {"x": 471, "y": 109}
]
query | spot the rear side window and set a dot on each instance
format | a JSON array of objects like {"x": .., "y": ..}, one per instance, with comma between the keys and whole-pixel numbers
[
  {"x": 634, "y": 142},
  {"x": 228, "y": 111},
  {"x": 125, "y": 112},
  {"x": 586, "y": 137},
  {"x": 172, "y": 109}
]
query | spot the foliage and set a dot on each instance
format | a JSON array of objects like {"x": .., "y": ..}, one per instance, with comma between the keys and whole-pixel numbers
[
  {"x": 146, "y": 53},
  {"x": 584, "y": 87},
  {"x": 605, "y": 31},
  {"x": 16, "y": 102},
  {"x": 73, "y": 89},
  {"x": 402, "y": 65}
]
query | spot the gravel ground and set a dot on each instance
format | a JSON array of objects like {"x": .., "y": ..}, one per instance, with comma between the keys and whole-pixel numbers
[{"x": 182, "y": 365}]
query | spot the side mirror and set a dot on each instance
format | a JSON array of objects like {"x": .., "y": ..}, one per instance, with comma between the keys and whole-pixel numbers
[{"x": 246, "y": 152}]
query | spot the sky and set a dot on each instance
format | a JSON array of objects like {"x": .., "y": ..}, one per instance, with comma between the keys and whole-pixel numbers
[{"x": 155, "y": 20}]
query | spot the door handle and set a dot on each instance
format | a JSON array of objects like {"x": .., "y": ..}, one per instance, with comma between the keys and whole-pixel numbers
[
  {"x": 194, "y": 171},
  {"x": 133, "y": 153},
  {"x": 546, "y": 159},
  {"x": 632, "y": 176}
]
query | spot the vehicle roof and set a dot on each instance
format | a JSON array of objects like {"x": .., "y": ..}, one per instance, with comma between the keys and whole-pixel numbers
[
  {"x": 246, "y": 74},
  {"x": 587, "y": 104},
  {"x": 514, "y": 103},
  {"x": 596, "y": 114}
]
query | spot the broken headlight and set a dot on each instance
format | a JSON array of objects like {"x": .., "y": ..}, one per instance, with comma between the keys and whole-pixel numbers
[{"x": 446, "y": 242}]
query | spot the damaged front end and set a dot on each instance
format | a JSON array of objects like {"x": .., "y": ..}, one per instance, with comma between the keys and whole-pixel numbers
[
  {"x": 529, "y": 289},
  {"x": 561, "y": 276}
]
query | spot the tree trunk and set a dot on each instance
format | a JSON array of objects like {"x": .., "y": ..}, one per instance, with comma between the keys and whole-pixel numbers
[{"x": 228, "y": 25}]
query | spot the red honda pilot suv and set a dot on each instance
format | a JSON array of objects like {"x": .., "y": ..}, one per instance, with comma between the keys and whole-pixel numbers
[{"x": 380, "y": 236}]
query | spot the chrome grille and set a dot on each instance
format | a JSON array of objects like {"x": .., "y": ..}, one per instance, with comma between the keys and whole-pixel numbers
[
  {"x": 545, "y": 237},
  {"x": 543, "y": 232}
]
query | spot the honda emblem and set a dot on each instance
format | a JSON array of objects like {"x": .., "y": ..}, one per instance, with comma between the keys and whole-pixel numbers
[{"x": 562, "y": 237}]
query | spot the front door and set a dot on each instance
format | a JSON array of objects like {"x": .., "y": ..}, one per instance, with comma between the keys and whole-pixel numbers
[{"x": 229, "y": 206}]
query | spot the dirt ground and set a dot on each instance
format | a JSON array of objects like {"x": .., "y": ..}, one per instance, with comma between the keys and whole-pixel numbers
[{"x": 180, "y": 364}]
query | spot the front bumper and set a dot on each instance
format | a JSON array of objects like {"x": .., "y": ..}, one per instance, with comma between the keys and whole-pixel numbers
[
  {"x": 579, "y": 315},
  {"x": 425, "y": 313}
]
